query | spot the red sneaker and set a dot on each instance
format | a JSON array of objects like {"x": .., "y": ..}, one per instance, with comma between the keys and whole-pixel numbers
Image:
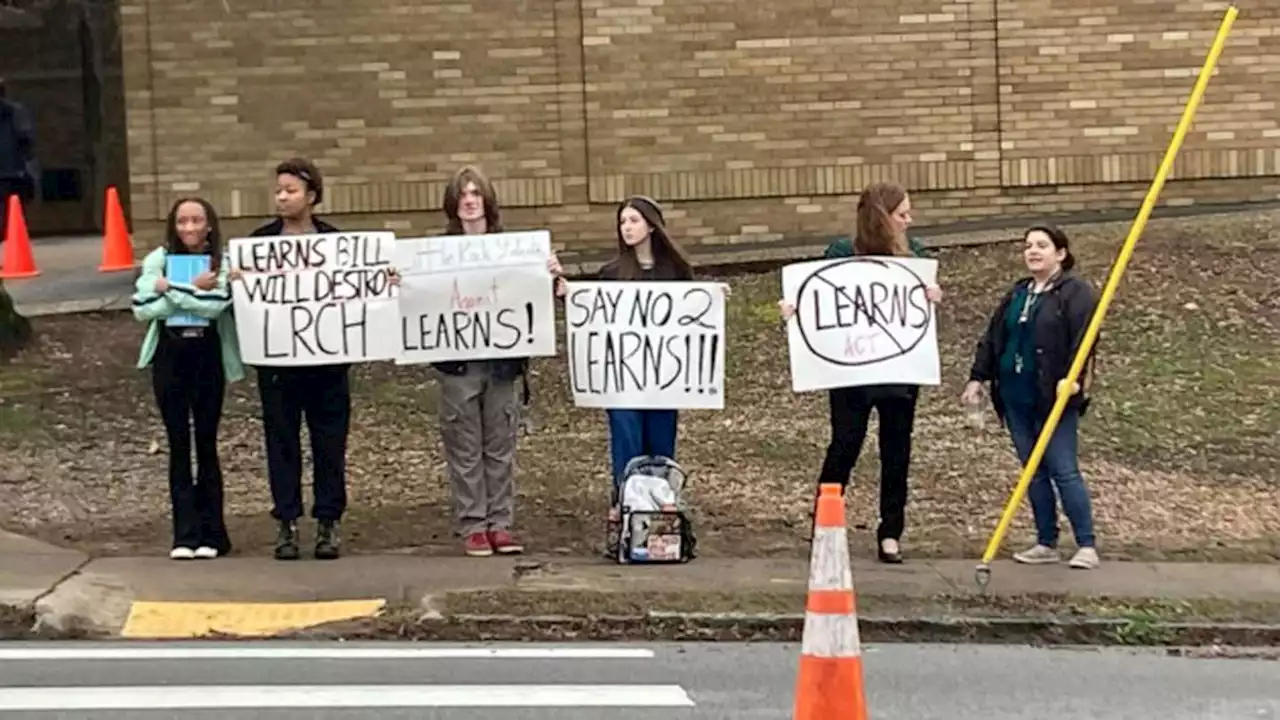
[
  {"x": 504, "y": 543},
  {"x": 477, "y": 545}
]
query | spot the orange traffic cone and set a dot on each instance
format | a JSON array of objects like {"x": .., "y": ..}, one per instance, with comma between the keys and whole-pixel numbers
[
  {"x": 18, "y": 260},
  {"x": 829, "y": 685},
  {"x": 117, "y": 249}
]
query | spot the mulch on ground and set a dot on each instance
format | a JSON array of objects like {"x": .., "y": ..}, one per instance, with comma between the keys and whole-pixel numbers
[{"x": 1181, "y": 447}]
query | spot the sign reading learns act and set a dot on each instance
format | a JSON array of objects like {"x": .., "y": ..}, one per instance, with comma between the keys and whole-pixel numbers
[{"x": 316, "y": 299}]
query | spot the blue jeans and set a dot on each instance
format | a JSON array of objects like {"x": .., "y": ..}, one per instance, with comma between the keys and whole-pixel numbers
[
  {"x": 1059, "y": 467},
  {"x": 639, "y": 432}
]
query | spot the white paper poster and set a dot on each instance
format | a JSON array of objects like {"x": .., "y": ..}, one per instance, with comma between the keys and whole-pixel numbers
[
  {"x": 476, "y": 297},
  {"x": 646, "y": 345},
  {"x": 316, "y": 299},
  {"x": 862, "y": 321}
]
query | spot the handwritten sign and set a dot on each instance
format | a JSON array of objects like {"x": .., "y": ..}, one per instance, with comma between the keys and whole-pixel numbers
[
  {"x": 476, "y": 297},
  {"x": 651, "y": 345},
  {"x": 316, "y": 299},
  {"x": 862, "y": 321}
]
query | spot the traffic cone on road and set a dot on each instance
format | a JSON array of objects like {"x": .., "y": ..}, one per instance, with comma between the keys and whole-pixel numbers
[
  {"x": 117, "y": 249},
  {"x": 829, "y": 685},
  {"x": 19, "y": 262}
]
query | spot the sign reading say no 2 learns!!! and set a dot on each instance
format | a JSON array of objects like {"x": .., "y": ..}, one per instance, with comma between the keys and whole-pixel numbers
[
  {"x": 646, "y": 345},
  {"x": 862, "y": 321},
  {"x": 316, "y": 299}
]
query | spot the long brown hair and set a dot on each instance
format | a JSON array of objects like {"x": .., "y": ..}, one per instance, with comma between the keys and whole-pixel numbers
[
  {"x": 666, "y": 252},
  {"x": 453, "y": 196},
  {"x": 875, "y": 234}
]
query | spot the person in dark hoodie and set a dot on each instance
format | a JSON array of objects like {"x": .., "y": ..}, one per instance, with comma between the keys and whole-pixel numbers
[
  {"x": 321, "y": 393},
  {"x": 1029, "y": 345}
]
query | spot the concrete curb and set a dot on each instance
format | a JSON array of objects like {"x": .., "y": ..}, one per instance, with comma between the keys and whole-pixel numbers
[{"x": 727, "y": 627}]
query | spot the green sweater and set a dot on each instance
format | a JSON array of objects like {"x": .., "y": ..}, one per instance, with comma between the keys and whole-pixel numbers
[
  {"x": 843, "y": 247},
  {"x": 153, "y": 308}
]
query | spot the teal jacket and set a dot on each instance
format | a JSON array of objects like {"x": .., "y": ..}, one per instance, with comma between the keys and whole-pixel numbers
[
  {"x": 843, "y": 247},
  {"x": 153, "y": 308}
]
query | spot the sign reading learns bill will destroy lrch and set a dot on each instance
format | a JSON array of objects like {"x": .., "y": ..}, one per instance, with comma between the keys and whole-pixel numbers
[
  {"x": 862, "y": 321},
  {"x": 316, "y": 299},
  {"x": 476, "y": 297},
  {"x": 646, "y": 345}
]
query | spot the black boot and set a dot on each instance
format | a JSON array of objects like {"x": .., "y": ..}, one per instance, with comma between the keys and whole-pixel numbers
[
  {"x": 287, "y": 541},
  {"x": 327, "y": 540}
]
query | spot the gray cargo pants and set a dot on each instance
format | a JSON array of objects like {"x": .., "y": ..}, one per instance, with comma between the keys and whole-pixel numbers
[{"x": 479, "y": 417}]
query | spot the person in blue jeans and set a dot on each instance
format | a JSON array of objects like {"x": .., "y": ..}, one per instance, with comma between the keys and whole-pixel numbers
[
  {"x": 1025, "y": 354},
  {"x": 646, "y": 251}
]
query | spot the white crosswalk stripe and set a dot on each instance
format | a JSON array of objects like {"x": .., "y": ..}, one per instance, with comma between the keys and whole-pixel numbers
[{"x": 139, "y": 678}]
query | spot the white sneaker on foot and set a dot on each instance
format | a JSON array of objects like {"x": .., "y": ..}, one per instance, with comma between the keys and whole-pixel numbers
[
  {"x": 1038, "y": 555},
  {"x": 1085, "y": 559},
  {"x": 205, "y": 552},
  {"x": 182, "y": 553}
]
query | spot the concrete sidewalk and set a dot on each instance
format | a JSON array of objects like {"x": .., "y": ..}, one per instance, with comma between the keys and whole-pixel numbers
[{"x": 119, "y": 596}]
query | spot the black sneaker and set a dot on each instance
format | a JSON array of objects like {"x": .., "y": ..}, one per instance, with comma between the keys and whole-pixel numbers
[
  {"x": 287, "y": 541},
  {"x": 327, "y": 540}
]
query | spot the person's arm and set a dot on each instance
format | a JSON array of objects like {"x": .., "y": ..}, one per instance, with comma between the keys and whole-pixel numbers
[
  {"x": 203, "y": 303},
  {"x": 984, "y": 359},
  {"x": 149, "y": 303},
  {"x": 1081, "y": 306}
]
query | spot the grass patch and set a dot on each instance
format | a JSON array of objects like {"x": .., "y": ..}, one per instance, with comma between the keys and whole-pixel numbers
[{"x": 1180, "y": 448}]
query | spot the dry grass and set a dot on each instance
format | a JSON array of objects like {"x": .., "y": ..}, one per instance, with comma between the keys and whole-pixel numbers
[{"x": 1180, "y": 449}]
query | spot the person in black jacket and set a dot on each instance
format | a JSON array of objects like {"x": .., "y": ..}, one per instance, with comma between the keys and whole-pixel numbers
[
  {"x": 320, "y": 392},
  {"x": 1025, "y": 354}
]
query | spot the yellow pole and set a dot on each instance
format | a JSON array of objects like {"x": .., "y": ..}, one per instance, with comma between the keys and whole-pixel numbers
[{"x": 1117, "y": 272}]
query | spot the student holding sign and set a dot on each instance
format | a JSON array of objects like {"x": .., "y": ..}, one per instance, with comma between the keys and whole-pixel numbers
[
  {"x": 646, "y": 252},
  {"x": 320, "y": 392},
  {"x": 191, "y": 347},
  {"x": 883, "y": 217},
  {"x": 1030, "y": 342},
  {"x": 479, "y": 409}
]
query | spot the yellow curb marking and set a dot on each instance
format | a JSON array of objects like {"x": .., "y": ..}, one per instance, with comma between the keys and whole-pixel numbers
[{"x": 189, "y": 620}]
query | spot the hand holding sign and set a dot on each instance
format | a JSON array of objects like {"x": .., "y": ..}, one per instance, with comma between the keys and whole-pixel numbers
[
  {"x": 861, "y": 321},
  {"x": 654, "y": 345},
  {"x": 315, "y": 299}
]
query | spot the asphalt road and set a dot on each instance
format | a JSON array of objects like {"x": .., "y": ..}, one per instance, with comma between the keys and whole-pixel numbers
[{"x": 631, "y": 682}]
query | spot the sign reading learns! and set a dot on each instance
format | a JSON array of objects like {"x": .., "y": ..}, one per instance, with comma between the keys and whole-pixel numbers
[
  {"x": 646, "y": 345},
  {"x": 316, "y": 299},
  {"x": 476, "y": 297},
  {"x": 862, "y": 321}
]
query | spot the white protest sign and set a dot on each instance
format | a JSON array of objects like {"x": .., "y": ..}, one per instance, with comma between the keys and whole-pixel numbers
[
  {"x": 862, "y": 321},
  {"x": 646, "y": 345},
  {"x": 476, "y": 297},
  {"x": 316, "y": 299}
]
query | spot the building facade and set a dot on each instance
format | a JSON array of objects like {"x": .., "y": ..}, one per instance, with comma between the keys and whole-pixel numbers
[{"x": 752, "y": 120}]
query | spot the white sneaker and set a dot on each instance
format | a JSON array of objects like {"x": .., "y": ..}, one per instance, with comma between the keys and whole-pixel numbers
[
  {"x": 182, "y": 553},
  {"x": 1038, "y": 555},
  {"x": 1085, "y": 559},
  {"x": 205, "y": 552}
]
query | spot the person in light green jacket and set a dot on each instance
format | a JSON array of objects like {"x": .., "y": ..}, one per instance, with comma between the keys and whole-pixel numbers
[{"x": 193, "y": 352}]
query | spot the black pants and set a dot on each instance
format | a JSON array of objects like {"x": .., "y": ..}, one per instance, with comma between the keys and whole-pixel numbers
[
  {"x": 323, "y": 395},
  {"x": 850, "y": 410},
  {"x": 190, "y": 385}
]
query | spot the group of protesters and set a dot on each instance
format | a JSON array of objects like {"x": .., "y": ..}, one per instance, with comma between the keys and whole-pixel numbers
[{"x": 1024, "y": 354}]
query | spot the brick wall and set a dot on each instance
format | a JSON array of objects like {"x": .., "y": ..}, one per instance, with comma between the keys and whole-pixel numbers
[{"x": 751, "y": 120}]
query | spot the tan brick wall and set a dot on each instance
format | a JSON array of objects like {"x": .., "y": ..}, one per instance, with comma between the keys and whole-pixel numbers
[{"x": 752, "y": 120}]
